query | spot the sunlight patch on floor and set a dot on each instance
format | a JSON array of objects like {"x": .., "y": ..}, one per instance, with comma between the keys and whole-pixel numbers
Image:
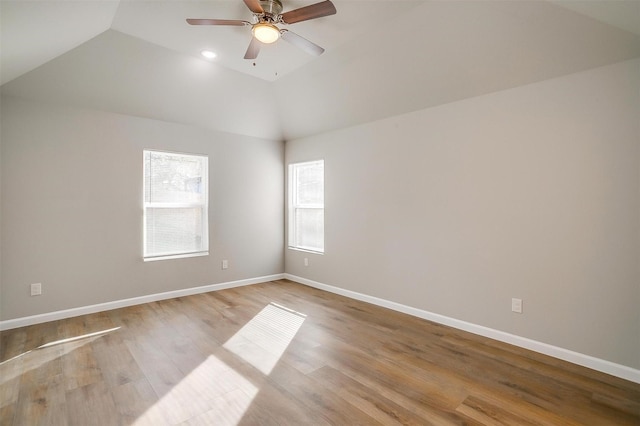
[
  {"x": 262, "y": 341},
  {"x": 73, "y": 339},
  {"x": 212, "y": 391},
  {"x": 43, "y": 354}
]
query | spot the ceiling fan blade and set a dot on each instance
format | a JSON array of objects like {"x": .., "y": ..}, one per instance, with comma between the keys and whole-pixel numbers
[
  {"x": 302, "y": 43},
  {"x": 233, "y": 22},
  {"x": 254, "y": 6},
  {"x": 318, "y": 10},
  {"x": 253, "y": 49}
]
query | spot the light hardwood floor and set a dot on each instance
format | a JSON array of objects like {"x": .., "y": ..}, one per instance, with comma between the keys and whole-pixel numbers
[{"x": 285, "y": 354}]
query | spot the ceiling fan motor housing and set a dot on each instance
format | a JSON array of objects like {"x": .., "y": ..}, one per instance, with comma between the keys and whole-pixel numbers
[{"x": 272, "y": 8}]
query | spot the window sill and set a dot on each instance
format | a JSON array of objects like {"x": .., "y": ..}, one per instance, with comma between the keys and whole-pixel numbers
[
  {"x": 305, "y": 250},
  {"x": 176, "y": 256}
]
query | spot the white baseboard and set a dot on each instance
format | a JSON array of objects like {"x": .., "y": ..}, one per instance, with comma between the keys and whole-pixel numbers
[
  {"x": 588, "y": 361},
  {"x": 83, "y": 310}
]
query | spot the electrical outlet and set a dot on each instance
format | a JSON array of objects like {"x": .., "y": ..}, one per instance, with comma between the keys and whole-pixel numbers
[
  {"x": 36, "y": 289},
  {"x": 306, "y": 261},
  {"x": 516, "y": 305},
  {"x": 225, "y": 264}
]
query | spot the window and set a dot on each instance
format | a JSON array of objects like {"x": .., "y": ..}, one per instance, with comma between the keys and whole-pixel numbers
[
  {"x": 306, "y": 206},
  {"x": 175, "y": 205}
]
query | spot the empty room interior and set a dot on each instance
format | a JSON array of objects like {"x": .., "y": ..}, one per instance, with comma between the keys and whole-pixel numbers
[{"x": 389, "y": 212}]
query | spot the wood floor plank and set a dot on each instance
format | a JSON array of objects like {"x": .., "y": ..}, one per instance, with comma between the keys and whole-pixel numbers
[
  {"x": 281, "y": 353},
  {"x": 91, "y": 405},
  {"x": 7, "y": 413},
  {"x": 622, "y": 403},
  {"x": 426, "y": 399},
  {"x": 42, "y": 397},
  {"x": 377, "y": 406},
  {"x": 137, "y": 403},
  {"x": 228, "y": 410},
  {"x": 12, "y": 344},
  {"x": 322, "y": 403},
  {"x": 553, "y": 374},
  {"x": 114, "y": 360},
  {"x": 535, "y": 388},
  {"x": 10, "y": 372},
  {"x": 159, "y": 370},
  {"x": 271, "y": 406},
  {"x": 489, "y": 414}
]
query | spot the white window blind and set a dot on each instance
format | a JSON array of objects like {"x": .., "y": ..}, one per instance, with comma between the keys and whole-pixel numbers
[
  {"x": 175, "y": 204},
  {"x": 306, "y": 206}
]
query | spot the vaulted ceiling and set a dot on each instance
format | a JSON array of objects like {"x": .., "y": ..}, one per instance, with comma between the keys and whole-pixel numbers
[{"x": 382, "y": 58}]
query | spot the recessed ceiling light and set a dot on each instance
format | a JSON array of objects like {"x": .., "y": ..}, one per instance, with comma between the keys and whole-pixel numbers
[{"x": 209, "y": 54}]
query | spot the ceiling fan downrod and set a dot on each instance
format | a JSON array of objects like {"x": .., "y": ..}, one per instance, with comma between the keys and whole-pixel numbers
[{"x": 271, "y": 9}]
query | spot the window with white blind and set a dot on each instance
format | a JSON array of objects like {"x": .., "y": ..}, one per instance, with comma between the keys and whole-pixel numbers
[
  {"x": 176, "y": 198},
  {"x": 306, "y": 206}
]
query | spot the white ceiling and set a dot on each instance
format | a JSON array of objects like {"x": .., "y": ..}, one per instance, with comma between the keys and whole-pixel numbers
[
  {"x": 141, "y": 58},
  {"x": 168, "y": 28},
  {"x": 34, "y": 32}
]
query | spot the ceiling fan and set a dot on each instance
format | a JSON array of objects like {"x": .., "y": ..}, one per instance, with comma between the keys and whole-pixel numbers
[{"x": 266, "y": 14}]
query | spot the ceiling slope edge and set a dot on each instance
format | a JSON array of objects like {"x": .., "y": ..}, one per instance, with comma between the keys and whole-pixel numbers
[
  {"x": 32, "y": 33},
  {"x": 623, "y": 14},
  {"x": 123, "y": 74},
  {"x": 446, "y": 52}
]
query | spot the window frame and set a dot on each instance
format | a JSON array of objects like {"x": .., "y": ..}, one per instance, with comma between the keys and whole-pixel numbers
[
  {"x": 293, "y": 206},
  {"x": 204, "y": 205}
]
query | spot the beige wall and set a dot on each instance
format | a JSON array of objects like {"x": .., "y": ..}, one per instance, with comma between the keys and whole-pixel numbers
[
  {"x": 71, "y": 207},
  {"x": 532, "y": 192}
]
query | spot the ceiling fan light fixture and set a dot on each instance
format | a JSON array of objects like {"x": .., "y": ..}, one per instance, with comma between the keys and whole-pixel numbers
[{"x": 266, "y": 33}]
